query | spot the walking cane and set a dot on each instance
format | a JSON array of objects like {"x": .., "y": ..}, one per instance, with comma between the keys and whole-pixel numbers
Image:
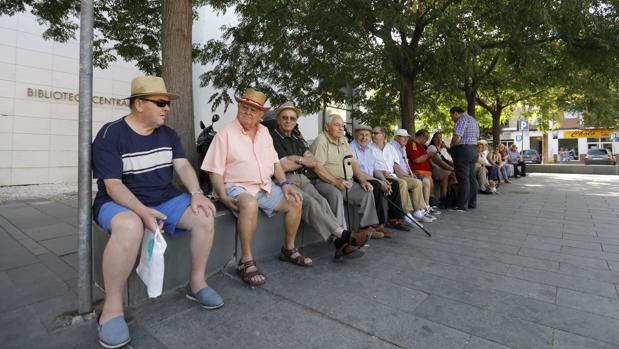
[
  {"x": 408, "y": 215},
  {"x": 344, "y": 163}
]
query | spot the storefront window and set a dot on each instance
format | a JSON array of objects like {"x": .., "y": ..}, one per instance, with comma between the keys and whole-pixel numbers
[{"x": 600, "y": 143}]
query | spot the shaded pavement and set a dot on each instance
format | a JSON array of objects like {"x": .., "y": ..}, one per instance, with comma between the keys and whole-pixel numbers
[{"x": 534, "y": 267}]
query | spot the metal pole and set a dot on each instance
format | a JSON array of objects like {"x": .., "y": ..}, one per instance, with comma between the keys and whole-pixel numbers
[{"x": 84, "y": 252}]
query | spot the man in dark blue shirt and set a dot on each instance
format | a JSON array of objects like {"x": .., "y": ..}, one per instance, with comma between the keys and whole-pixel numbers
[{"x": 134, "y": 159}]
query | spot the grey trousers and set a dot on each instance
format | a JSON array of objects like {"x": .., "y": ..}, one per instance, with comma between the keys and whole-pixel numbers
[
  {"x": 315, "y": 210},
  {"x": 357, "y": 197}
]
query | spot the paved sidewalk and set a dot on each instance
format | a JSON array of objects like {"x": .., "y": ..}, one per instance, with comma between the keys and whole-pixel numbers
[{"x": 534, "y": 267}]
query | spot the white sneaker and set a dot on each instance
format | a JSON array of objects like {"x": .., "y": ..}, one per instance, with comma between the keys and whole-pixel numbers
[{"x": 423, "y": 216}]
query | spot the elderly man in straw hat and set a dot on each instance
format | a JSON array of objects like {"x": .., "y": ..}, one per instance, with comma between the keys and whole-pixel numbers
[
  {"x": 296, "y": 159},
  {"x": 331, "y": 151},
  {"x": 240, "y": 162},
  {"x": 134, "y": 159}
]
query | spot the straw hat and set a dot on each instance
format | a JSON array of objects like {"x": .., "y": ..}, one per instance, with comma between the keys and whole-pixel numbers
[
  {"x": 253, "y": 98},
  {"x": 288, "y": 105},
  {"x": 149, "y": 85}
]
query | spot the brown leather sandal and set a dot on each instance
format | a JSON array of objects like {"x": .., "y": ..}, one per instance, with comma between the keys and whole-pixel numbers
[
  {"x": 298, "y": 260},
  {"x": 347, "y": 250},
  {"x": 360, "y": 237},
  {"x": 247, "y": 276}
]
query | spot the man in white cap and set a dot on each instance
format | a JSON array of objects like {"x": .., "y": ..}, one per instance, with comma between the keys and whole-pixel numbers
[
  {"x": 403, "y": 171},
  {"x": 240, "y": 163},
  {"x": 410, "y": 188},
  {"x": 134, "y": 159}
]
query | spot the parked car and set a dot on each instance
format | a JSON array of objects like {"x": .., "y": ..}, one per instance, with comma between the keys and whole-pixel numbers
[
  {"x": 597, "y": 156},
  {"x": 531, "y": 156}
]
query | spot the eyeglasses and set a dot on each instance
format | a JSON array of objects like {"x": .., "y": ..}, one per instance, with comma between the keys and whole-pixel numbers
[
  {"x": 376, "y": 133},
  {"x": 289, "y": 118},
  {"x": 161, "y": 103}
]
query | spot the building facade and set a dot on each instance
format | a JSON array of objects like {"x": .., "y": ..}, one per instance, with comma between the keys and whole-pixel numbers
[{"x": 566, "y": 134}]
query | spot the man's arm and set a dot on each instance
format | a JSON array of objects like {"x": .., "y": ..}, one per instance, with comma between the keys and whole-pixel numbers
[
  {"x": 290, "y": 163},
  {"x": 217, "y": 181},
  {"x": 288, "y": 189},
  {"x": 455, "y": 140},
  {"x": 190, "y": 180},
  {"x": 121, "y": 195},
  {"x": 361, "y": 176},
  {"x": 399, "y": 171}
]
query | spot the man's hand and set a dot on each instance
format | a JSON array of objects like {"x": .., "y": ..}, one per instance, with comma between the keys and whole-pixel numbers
[
  {"x": 199, "y": 201},
  {"x": 308, "y": 159},
  {"x": 340, "y": 184},
  {"x": 152, "y": 219},
  {"x": 229, "y": 202},
  {"x": 367, "y": 186},
  {"x": 386, "y": 187},
  {"x": 291, "y": 192}
]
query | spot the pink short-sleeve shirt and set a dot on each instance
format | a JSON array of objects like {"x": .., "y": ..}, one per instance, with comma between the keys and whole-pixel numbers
[{"x": 241, "y": 161}]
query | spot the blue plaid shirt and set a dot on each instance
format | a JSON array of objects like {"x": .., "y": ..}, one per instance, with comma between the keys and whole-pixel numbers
[{"x": 467, "y": 128}]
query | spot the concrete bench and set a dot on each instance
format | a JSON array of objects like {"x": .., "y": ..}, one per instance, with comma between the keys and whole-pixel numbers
[{"x": 267, "y": 242}]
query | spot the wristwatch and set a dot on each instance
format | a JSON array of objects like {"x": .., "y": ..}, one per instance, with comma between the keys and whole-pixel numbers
[
  {"x": 300, "y": 161},
  {"x": 196, "y": 191}
]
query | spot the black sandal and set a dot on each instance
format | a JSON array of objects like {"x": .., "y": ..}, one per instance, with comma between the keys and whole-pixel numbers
[{"x": 247, "y": 276}]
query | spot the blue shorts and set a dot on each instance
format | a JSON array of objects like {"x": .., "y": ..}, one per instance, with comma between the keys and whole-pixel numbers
[
  {"x": 173, "y": 209},
  {"x": 267, "y": 203}
]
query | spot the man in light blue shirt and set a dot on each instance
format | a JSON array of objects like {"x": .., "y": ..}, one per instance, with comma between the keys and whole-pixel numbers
[{"x": 373, "y": 167}]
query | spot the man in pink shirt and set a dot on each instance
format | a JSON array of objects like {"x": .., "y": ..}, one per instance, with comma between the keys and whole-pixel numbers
[{"x": 240, "y": 163}]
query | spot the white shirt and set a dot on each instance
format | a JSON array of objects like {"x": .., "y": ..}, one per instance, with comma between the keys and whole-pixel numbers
[{"x": 386, "y": 158}]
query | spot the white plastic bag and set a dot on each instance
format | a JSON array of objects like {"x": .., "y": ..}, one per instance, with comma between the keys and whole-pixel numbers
[{"x": 152, "y": 264}]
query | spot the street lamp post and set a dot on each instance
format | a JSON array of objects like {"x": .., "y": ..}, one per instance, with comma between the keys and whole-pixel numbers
[{"x": 84, "y": 252}]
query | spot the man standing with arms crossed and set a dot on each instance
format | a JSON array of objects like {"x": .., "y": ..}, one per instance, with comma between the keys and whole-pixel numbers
[{"x": 464, "y": 150}]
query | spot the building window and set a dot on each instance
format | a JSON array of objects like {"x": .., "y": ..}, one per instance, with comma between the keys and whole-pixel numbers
[{"x": 600, "y": 143}]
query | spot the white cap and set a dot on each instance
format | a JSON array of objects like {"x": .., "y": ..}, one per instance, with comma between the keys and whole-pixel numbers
[{"x": 402, "y": 132}]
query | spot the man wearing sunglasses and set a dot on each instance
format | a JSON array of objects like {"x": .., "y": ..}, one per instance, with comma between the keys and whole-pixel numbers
[
  {"x": 296, "y": 159},
  {"x": 134, "y": 159}
]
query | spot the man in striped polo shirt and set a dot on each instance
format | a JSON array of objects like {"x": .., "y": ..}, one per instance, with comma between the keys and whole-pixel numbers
[
  {"x": 464, "y": 153},
  {"x": 134, "y": 159}
]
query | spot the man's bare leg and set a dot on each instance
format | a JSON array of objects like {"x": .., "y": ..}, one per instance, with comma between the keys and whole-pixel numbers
[
  {"x": 292, "y": 219},
  {"x": 118, "y": 261},
  {"x": 246, "y": 226},
  {"x": 202, "y": 231}
]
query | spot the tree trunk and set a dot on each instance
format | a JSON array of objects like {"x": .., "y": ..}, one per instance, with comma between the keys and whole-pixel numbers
[
  {"x": 408, "y": 104},
  {"x": 471, "y": 102},
  {"x": 496, "y": 126},
  {"x": 176, "y": 47},
  {"x": 545, "y": 144}
]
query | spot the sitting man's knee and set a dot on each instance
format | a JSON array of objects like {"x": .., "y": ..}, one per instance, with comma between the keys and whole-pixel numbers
[
  {"x": 247, "y": 203},
  {"x": 128, "y": 225}
]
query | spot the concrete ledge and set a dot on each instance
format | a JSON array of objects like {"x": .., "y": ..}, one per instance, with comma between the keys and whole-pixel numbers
[
  {"x": 574, "y": 169},
  {"x": 267, "y": 241}
]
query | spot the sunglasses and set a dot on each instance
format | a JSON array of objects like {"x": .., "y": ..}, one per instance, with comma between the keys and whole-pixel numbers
[{"x": 160, "y": 102}]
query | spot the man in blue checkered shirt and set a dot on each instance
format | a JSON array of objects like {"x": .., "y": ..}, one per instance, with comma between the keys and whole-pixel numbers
[{"x": 464, "y": 153}]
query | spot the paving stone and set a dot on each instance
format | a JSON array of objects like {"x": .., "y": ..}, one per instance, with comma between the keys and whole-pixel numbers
[
  {"x": 13, "y": 255},
  {"x": 51, "y": 231},
  {"x": 22, "y": 218},
  {"x": 56, "y": 209},
  {"x": 560, "y": 257},
  {"x": 590, "y": 274},
  {"x": 566, "y": 340},
  {"x": 17, "y": 326},
  {"x": 588, "y": 302},
  {"x": 561, "y": 280},
  {"x": 565, "y": 242},
  {"x": 614, "y": 265},
  {"x": 564, "y": 318},
  {"x": 62, "y": 245},
  {"x": 55, "y": 312},
  {"x": 34, "y": 247},
  {"x": 30, "y": 284},
  {"x": 480, "y": 343},
  {"x": 4, "y": 234},
  {"x": 11, "y": 229},
  {"x": 58, "y": 266},
  {"x": 485, "y": 324},
  {"x": 590, "y": 254},
  {"x": 71, "y": 259}
]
